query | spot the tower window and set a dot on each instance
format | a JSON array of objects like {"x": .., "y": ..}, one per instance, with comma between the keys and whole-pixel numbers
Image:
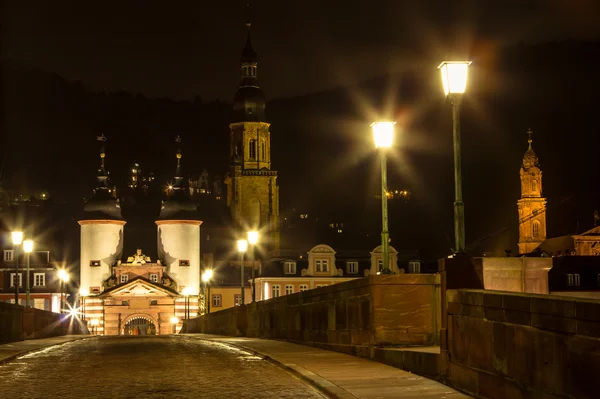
[
  {"x": 534, "y": 185},
  {"x": 184, "y": 262},
  {"x": 263, "y": 150},
  {"x": 252, "y": 149},
  {"x": 535, "y": 229}
]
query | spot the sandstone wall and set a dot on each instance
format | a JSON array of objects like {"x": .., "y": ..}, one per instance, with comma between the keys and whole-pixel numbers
[
  {"x": 508, "y": 345},
  {"x": 352, "y": 317}
]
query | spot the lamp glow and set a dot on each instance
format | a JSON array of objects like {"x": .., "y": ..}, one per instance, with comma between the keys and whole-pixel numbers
[
  {"x": 454, "y": 76},
  {"x": 63, "y": 275},
  {"x": 253, "y": 237},
  {"x": 94, "y": 322},
  {"x": 383, "y": 134},
  {"x": 174, "y": 320},
  {"x": 207, "y": 275},
  {"x": 28, "y": 246},
  {"x": 17, "y": 237},
  {"x": 187, "y": 291},
  {"x": 84, "y": 292},
  {"x": 242, "y": 245}
]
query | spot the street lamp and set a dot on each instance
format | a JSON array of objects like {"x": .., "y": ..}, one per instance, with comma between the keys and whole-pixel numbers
[
  {"x": 187, "y": 292},
  {"x": 63, "y": 275},
  {"x": 206, "y": 277},
  {"x": 383, "y": 134},
  {"x": 242, "y": 247},
  {"x": 454, "y": 79},
  {"x": 28, "y": 248},
  {"x": 252, "y": 240},
  {"x": 17, "y": 239},
  {"x": 174, "y": 321}
]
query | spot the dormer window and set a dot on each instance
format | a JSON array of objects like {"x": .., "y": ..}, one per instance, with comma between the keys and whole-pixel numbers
[
  {"x": 124, "y": 278},
  {"x": 352, "y": 267},
  {"x": 184, "y": 262},
  {"x": 321, "y": 265},
  {"x": 289, "y": 267},
  {"x": 95, "y": 263}
]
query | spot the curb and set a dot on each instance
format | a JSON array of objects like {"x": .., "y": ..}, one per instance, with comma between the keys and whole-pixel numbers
[
  {"x": 27, "y": 351},
  {"x": 325, "y": 386}
]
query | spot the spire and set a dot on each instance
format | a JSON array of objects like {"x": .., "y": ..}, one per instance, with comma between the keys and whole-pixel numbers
[
  {"x": 530, "y": 158},
  {"x": 102, "y": 204},
  {"x": 529, "y": 139},
  {"x": 102, "y": 175},
  {"x": 178, "y": 176}
]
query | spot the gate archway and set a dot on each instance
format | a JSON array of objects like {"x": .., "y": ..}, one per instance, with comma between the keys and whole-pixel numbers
[{"x": 139, "y": 325}]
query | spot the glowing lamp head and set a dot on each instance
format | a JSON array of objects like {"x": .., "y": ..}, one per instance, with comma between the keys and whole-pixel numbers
[
  {"x": 187, "y": 291},
  {"x": 383, "y": 134},
  {"x": 174, "y": 320},
  {"x": 84, "y": 292},
  {"x": 94, "y": 322},
  {"x": 17, "y": 237},
  {"x": 454, "y": 76},
  {"x": 242, "y": 245},
  {"x": 253, "y": 237},
  {"x": 207, "y": 275},
  {"x": 63, "y": 275},
  {"x": 28, "y": 246}
]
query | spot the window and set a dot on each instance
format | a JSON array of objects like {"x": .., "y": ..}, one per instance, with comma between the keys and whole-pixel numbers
[
  {"x": 263, "y": 150},
  {"x": 237, "y": 299},
  {"x": 154, "y": 302},
  {"x": 184, "y": 262},
  {"x": 252, "y": 148},
  {"x": 322, "y": 265},
  {"x": 39, "y": 303},
  {"x": 95, "y": 290},
  {"x": 289, "y": 267},
  {"x": 275, "y": 291},
  {"x": 352, "y": 267},
  {"x": 535, "y": 229},
  {"x": 124, "y": 278},
  {"x": 573, "y": 280},
  {"x": 414, "y": 266},
  {"x": 379, "y": 265},
  {"x": 303, "y": 287},
  {"x": 154, "y": 277},
  {"x": 95, "y": 263},
  {"x": 13, "y": 279},
  {"x": 9, "y": 255},
  {"x": 124, "y": 303},
  {"x": 289, "y": 289},
  {"x": 216, "y": 300},
  {"x": 39, "y": 279}
]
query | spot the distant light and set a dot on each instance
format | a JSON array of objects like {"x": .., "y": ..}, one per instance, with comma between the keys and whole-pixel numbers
[
  {"x": 253, "y": 237},
  {"x": 17, "y": 237},
  {"x": 383, "y": 134},
  {"x": 28, "y": 246},
  {"x": 170, "y": 187},
  {"x": 187, "y": 291},
  {"x": 207, "y": 275},
  {"x": 174, "y": 320},
  {"x": 242, "y": 245},
  {"x": 94, "y": 322},
  {"x": 454, "y": 76},
  {"x": 84, "y": 292}
]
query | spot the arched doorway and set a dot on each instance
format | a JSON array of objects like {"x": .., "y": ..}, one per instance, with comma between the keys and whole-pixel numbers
[{"x": 139, "y": 325}]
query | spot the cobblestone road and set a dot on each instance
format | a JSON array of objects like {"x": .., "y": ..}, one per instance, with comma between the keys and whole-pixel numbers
[{"x": 146, "y": 367}]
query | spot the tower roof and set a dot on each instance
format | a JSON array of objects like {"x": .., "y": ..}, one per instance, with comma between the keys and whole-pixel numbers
[
  {"x": 102, "y": 204},
  {"x": 249, "y": 100},
  {"x": 178, "y": 204},
  {"x": 530, "y": 158}
]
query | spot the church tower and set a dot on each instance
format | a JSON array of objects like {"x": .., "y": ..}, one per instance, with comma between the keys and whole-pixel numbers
[
  {"x": 532, "y": 206},
  {"x": 252, "y": 191}
]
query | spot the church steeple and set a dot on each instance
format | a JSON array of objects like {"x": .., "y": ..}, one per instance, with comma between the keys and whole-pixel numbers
[
  {"x": 531, "y": 206},
  {"x": 178, "y": 204},
  {"x": 102, "y": 204}
]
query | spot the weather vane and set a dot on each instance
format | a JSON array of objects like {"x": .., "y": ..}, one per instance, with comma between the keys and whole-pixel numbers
[
  {"x": 101, "y": 138},
  {"x": 178, "y": 139},
  {"x": 529, "y": 134}
]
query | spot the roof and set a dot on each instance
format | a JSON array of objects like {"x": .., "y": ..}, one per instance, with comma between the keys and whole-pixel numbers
[
  {"x": 562, "y": 245},
  {"x": 135, "y": 281}
]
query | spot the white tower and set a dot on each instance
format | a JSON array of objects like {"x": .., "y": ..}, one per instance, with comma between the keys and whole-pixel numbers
[
  {"x": 101, "y": 233},
  {"x": 178, "y": 235}
]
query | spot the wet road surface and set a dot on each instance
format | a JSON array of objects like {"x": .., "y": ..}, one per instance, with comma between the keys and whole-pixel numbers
[{"x": 147, "y": 367}]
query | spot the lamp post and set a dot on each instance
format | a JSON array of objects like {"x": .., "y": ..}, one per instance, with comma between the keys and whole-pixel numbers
[
  {"x": 252, "y": 240},
  {"x": 242, "y": 247},
  {"x": 206, "y": 276},
  {"x": 17, "y": 239},
  {"x": 63, "y": 275},
  {"x": 83, "y": 292},
  {"x": 454, "y": 79},
  {"x": 383, "y": 134},
  {"x": 186, "y": 307},
  {"x": 28, "y": 248}
]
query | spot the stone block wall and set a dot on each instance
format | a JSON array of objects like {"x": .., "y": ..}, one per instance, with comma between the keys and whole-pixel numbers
[
  {"x": 11, "y": 322},
  {"x": 352, "y": 317},
  {"x": 508, "y": 345}
]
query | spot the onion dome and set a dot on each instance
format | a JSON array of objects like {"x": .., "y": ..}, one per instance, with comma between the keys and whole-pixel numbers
[
  {"x": 530, "y": 158},
  {"x": 102, "y": 204}
]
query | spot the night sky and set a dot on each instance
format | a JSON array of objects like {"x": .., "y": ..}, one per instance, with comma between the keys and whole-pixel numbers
[{"x": 191, "y": 48}]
